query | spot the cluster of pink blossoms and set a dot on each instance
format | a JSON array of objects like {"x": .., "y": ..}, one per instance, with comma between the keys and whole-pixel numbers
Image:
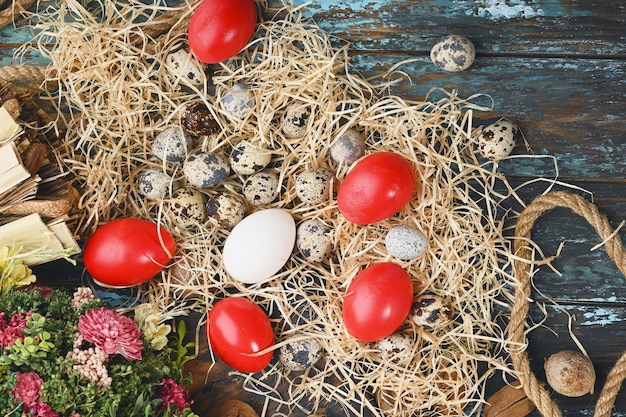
[
  {"x": 28, "y": 391},
  {"x": 11, "y": 330},
  {"x": 173, "y": 394},
  {"x": 111, "y": 332},
  {"x": 90, "y": 363}
]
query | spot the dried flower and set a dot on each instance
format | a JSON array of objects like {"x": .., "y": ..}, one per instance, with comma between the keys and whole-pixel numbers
[
  {"x": 112, "y": 332},
  {"x": 12, "y": 330},
  {"x": 173, "y": 394},
  {"x": 90, "y": 363},
  {"x": 13, "y": 271},
  {"x": 82, "y": 295},
  {"x": 28, "y": 389},
  {"x": 151, "y": 324}
]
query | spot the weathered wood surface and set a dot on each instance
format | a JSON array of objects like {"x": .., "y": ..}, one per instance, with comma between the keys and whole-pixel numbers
[{"x": 558, "y": 68}]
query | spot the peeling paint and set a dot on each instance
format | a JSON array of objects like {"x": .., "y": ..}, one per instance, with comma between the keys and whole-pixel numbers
[
  {"x": 496, "y": 9},
  {"x": 601, "y": 317}
]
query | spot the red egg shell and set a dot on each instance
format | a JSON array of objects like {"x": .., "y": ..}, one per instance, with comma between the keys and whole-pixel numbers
[
  {"x": 377, "y": 301},
  {"x": 237, "y": 330},
  {"x": 376, "y": 188},
  {"x": 127, "y": 252}
]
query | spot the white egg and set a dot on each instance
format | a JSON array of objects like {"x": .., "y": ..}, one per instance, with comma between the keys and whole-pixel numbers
[
  {"x": 497, "y": 140},
  {"x": 453, "y": 53},
  {"x": 247, "y": 158},
  {"x": 295, "y": 120},
  {"x": 261, "y": 188},
  {"x": 313, "y": 240},
  {"x": 396, "y": 348},
  {"x": 238, "y": 101},
  {"x": 154, "y": 184},
  {"x": 259, "y": 246},
  {"x": 205, "y": 169},
  {"x": 348, "y": 147},
  {"x": 183, "y": 65},
  {"x": 300, "y": 355},
  {"x": 431, "y": 312},
  {"x": 314, "y": 186},
  {"x": 405, "y": 242},
  {"x": 171, "y": 144}
]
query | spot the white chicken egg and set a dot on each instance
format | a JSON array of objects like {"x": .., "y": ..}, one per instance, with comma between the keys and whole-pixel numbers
[
  {"x": 314, "y": 186},
  {"x": 205, "y": 169},
  {"x": 187, "y": 207},
  {"x": 226, "y": 209},
  {"x": 247, "y": 158},
  {"x": 259, "y": 246},
  {"x": 396, "y": 348},
  {"x": 295, "y": 120},
  {"x": 313, "y": 240},
  {"x": 300, "y": 354},
  {"x": 239, "y": 101},
  {"x": 496, "y": 141},
  {"x": 261, "y": 188},
  {"x": 348, "y": 147},
  {"x": 182, "y": 65},
  {"x": 431, "y": 312},
  {"x": 171, "y": 144},
  {"x": 405, "y": 242},
  {"x": 453, "y": 53},
  {"x": 154, "y": 184}
]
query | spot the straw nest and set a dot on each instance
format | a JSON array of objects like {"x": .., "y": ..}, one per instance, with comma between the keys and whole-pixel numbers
[{"x": 116, "y": 96}]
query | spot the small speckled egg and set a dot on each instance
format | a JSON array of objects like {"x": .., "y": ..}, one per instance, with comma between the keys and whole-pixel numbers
[
  {"x": 300, "y": 355},
  {"x": 226, "y": 209},
  {"x": 348, "y": 147},
  {"x": 247, "y": 158},
  {"x": 187, "y": 207},
  {"x": 205, "y": 169},
  {"x": 155, "y": 184},
  {"x": 405, "y": 242},
  {"x": 431, "y": 312},
  {"x": 261, "y": 188},
  {"x": 453, "y": 53},
  {"x": 198, "y": 120},
  {"x": 314, "y": 186},
  {"x": 238, "y": 101},
  {"x": 295, "y": 120},
  {"x": 183, "y": 65},
  {"x": 313, "y": 240},
  {"x": 497, "y": 140},
  {"x": 396, "y": 348},
  {"x": 171, "y": 144}
]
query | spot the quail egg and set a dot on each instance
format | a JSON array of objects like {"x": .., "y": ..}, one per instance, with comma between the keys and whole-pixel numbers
[
  {"x": 314, "y": 186},
  {"x": 348, "y": 147},
  {"x": 171, "y": 144},
  {"x": 497, "y": 140},
  {"x": 198, "y": 120},
  {"x": 238, "y": 101},
  {"x": 405, "y": 242},
  {"x": 313, "y": 240},
  {"x": 205, "y": 169},
  {"x": 295, "y": 120},
  {"x": 183, "y": 65},
  {"x": 246, "y": 158},
  {"x": 396, "y": 348},
  {"x": 226, "y": 209},
  {"x": 431, "y": 312},
  {"x": 154, "y": 184},
  {"x": 261, "y": 188},
  {"x": 301, "y": 354},
  {"x": 453, "y": 53},
  {"x": 187, "y": 207}
]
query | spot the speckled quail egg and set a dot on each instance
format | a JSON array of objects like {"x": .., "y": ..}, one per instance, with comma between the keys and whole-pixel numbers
[
  {"x": 453, "y": 53},
  {"x": 261, "y": 188},
  {"x": 300, "y": 354},
  {"x": 431, "y": 312},
  {"x": 405, "y": 242},
  {"x": 171, "y": 144},
  {"x": 396, "y": 348},
  {"x": 239, "y": 101},
  {"x": 154, "y": 184},
  {"x": 313, "y": 240},
  {"x": 187, "y": 207},
  {"x": 205, "y": 169},
  {"x": 226, "y": 209},
  {"x": 348, "y": 147},
  {"x": 314, "y": 186},
  {"x": 295, "y": 120},
  {"x": 198, "y": 120},
  {"x": 247, "y": 158},
  {"x": 497, "y": 140},
  {"x": 181, "y": 64}
]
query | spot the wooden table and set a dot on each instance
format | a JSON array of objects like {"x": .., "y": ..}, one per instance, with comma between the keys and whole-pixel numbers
[{"x": 558, "y": 69}]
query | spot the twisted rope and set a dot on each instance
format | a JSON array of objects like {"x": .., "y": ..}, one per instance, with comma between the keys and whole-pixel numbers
[
  {"x": 522, "y": 269},
  {"x": 12, "y": 13},
  {"x": 32, "y": 74}
]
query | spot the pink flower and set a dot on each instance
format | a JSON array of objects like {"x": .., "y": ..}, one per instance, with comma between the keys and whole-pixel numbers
[
  {"x": 28, "y": 388},
  {"x": 173, "y": 394},
  {"x": 111, "y": 332},
  {"x": 12, "y": 330},
  {"x": 41, "y": 410}
]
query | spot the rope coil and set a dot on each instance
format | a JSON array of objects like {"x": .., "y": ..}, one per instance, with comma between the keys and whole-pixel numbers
[{"x": 519, "y": 311}]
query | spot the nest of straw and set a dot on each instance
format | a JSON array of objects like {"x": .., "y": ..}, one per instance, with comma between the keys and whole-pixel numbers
[{"x": 116, "y": 96}]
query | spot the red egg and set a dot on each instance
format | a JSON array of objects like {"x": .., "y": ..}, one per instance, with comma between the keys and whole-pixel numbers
[
  {"x": 238, "y": 330},
  {"x": 127, "y": 252},
  {"x": 376, "y": 188},
  {"x": 377, "y": 301}
]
